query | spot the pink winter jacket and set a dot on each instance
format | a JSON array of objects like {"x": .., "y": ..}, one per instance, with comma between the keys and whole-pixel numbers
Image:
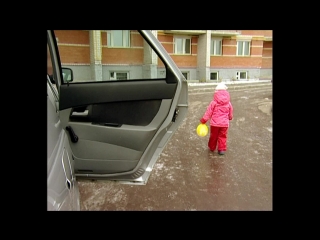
[{"x": 220, "y": 110}]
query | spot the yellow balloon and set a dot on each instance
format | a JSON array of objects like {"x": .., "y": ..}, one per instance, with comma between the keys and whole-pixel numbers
[{"x": 202, "y": 130}]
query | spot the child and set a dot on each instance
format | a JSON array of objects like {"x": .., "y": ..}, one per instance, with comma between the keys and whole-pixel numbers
[{"x": 219, "y": 111}]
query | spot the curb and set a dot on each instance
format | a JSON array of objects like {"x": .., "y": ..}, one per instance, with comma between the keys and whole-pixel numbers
[{"x": 229, "y": 84}]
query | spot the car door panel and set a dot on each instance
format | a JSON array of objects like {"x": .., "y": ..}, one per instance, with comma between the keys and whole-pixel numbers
[
  {"x": 124, "y": 144},
  {"x": 91, "y": 93},
  {"x": 114, "y": 114},
  {"x": 118, "y": 128}
]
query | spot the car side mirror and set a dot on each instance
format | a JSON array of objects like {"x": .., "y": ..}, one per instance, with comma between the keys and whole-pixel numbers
[{"x": 67, "y": 75}]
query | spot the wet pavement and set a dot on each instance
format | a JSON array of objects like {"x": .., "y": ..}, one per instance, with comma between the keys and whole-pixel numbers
[{"x": 188, "y": 177}]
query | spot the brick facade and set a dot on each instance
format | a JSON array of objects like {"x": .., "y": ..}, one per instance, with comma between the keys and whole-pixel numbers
[{"x": 78, "y": 41}]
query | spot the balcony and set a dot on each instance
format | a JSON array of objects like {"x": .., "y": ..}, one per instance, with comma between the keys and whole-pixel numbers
[
  {"x": 199, "y": 32},
  {"x": 225, "y": 32},
  {"x": 186, "y": 32}
]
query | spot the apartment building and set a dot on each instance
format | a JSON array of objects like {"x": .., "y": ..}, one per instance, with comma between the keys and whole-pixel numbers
[
  {"x": 201, "y": 55},
  {"x": 220, "y": 55}
]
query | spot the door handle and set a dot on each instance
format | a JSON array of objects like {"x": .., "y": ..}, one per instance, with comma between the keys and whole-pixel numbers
[{"x": 85, "y": 113}]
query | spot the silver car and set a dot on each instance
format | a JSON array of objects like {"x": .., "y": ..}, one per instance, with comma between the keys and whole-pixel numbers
[{"x": 114, "y": 99}]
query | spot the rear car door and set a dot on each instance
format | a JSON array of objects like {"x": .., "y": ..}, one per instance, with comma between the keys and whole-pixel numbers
[{"x": 121, "y": 97}]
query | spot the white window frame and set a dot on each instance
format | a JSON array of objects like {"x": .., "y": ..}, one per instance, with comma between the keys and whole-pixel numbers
[
  {"x": 214, "y": 46},
  {"x": 111, "y": 38},
  {"x": 113, "y": 75},
  {"x": 239, "y": 73},
  {"x": 243, "y": 48},
  {"x": 217, "y": 76},
  {"x": 183, "y": 40}
]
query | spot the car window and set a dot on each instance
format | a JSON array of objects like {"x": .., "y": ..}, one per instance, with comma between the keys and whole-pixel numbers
[{"x": 108, "y": 55}]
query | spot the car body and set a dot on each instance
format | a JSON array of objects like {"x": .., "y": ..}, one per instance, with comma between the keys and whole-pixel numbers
[{"x": 111, "y": 115}]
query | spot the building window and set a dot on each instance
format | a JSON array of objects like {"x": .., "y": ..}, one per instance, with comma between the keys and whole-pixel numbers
[
  {"x": 242, "y": 75},
  {"x": 118, "y": 38},
  {"x": 216, "y": 46},
  {"x": 214, "y": 76},
  {"x": 119, "y": 75},
  {"x": 186, "y": 75},
  {"x": 182, "y": 45},
  {"x": 243, "y": 48}
]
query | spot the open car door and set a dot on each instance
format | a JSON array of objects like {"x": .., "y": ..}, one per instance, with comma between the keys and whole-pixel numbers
[{"x": 120, "y": 99}]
